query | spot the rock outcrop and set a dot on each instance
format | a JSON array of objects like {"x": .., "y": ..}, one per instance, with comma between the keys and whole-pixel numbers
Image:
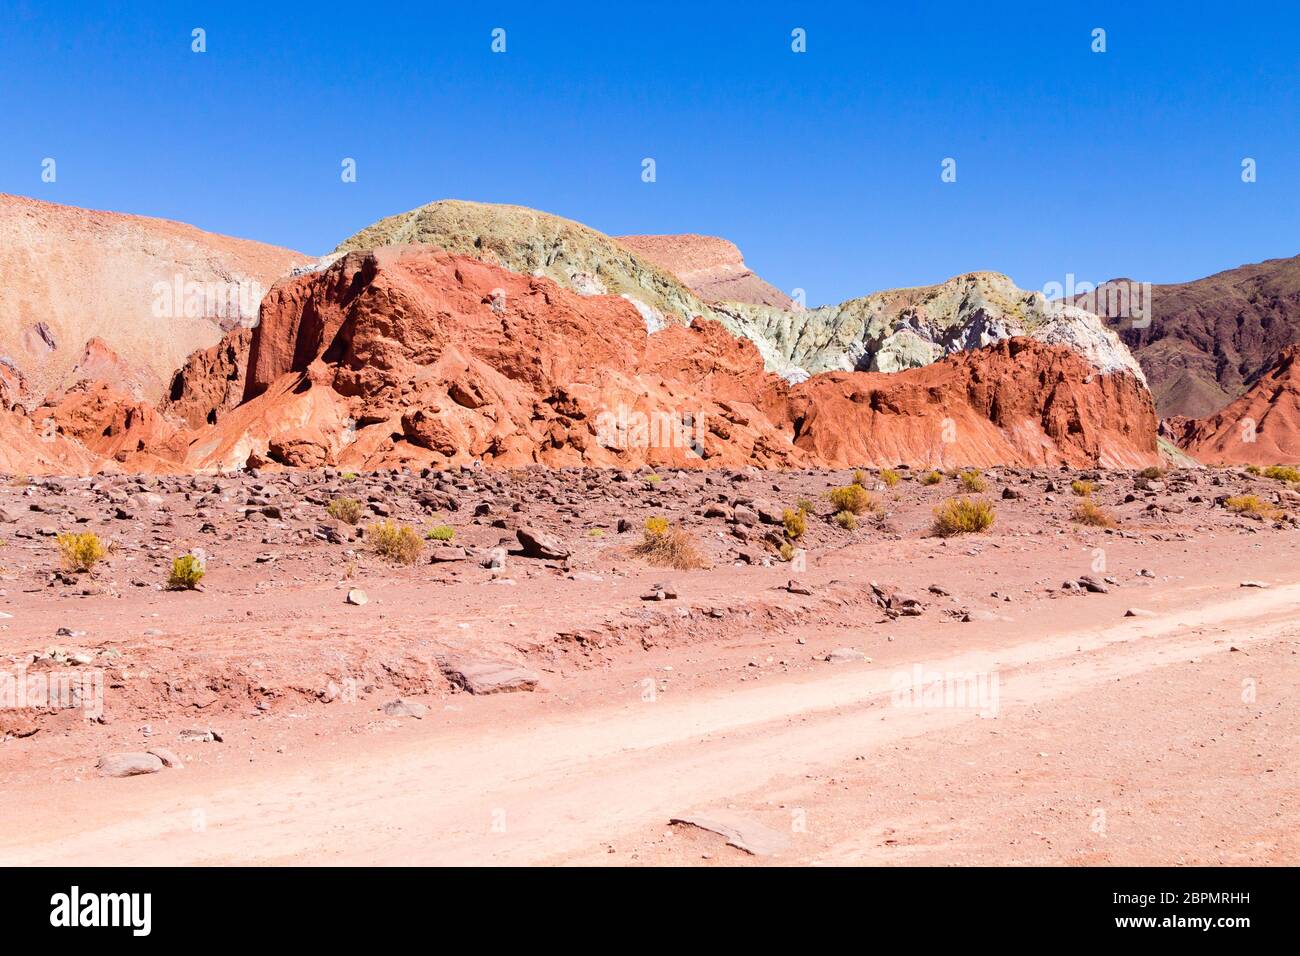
[
  {"x": 886, "y": 331},
  {"x": 711, "y": 267},
  {"x": 410, "y": 355},
  {"x": 909, "y": 328},
  {"x": 125, "y": 298},
  {"x": 1262, "y": 427},
  {"x": 1020, "y": 400}
]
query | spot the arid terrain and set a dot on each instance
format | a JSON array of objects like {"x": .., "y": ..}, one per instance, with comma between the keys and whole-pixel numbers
[
  {"x": 532, "y": 690},
  {"x": 489, "y": 538}
]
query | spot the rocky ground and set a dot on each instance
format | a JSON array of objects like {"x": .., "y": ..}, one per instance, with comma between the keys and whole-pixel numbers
[{"x": 304, "y": 649}]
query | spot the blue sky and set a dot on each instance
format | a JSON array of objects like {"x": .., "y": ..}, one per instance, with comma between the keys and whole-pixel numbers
[{"x": 824, "y": 167}]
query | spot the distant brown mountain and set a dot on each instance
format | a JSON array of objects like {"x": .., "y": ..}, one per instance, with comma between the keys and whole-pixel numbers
[{"x": 1211, "y": 339}]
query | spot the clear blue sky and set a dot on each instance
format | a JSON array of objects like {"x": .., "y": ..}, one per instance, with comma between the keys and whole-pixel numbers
[{"x": 823, "y": 167}]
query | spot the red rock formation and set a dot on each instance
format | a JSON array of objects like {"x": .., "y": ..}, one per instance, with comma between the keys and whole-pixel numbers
[
  {"x": 410, "y": 355},
  {"x": 1017, "y": 402},
  {"x": 712, "y": 267},
  {"x": 211, "y": 382},
  {"x": 1262, "y": 427}
]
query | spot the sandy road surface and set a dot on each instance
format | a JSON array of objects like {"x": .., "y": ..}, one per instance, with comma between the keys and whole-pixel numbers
[{"x": 571, "y": 788}]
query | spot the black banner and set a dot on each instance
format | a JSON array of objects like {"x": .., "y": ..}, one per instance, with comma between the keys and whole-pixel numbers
[{"x": 302, "y": 905}]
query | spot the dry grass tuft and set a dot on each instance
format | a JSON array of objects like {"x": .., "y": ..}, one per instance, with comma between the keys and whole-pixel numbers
[
  {"x": 853, "y": 498},
  {"x": 668, "y": 547},
  {"x": 963, "y": 516},
  {"x": 347, "y": 510},
  {"x": 396, "y": 542},
  {"x": 1090, "y": 513}
]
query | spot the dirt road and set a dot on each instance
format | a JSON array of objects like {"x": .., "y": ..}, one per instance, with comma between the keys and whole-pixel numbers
[{"x": 1052, "y": 769}]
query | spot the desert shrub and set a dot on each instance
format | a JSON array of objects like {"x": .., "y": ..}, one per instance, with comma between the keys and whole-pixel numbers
[
  {"x": 796, "y": 523},
  {"x": 963, "y": 516},
  {"x": 1253, "y": 470},
  {"x": 972, "y": 480},
  {"x": 652, "y": 481},
  {"x": 1081, "y": 488},
  {"x": 787, "y": 551},
  {"x": 656, "y": 525},
  {"x": 860, "y": 478},
  {"x": 846, "y": 520},
  {"x": 595, "y": 533},
  {"x": 668, "y": 547},
  {"x": 396, "y": 542},
  {"x": 1090, "y": 513},
  {"x": 349, "y": 476},
  {"x": 931, "y": 478},
  {"x": 853, "y": 498},
  {"x": 806, "y": 506},
  {"x": 1248, "y": 505},
  {"x": 187, "y": 571},
  {"x": 1282, "y": 473},
  {"x": 890, "y": 477},
  {"x": 442, "y": 532},
  {"x": 1151, "y": 473},
  {"x": 80, "y": 551},
  {"x": 347, "y": 510}
]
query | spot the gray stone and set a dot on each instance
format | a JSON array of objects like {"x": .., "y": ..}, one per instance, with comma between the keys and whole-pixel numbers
[
  {"x": 129, "y": 764},
  {"x": 489, "y": 677},
  {"x": 404, "y": 708}
]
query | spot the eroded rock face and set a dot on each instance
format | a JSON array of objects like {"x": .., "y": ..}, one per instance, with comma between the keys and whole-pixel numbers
[
  {"x": 887, "y": 331},
  {"x": 1019, "y": 401},
  {"x": 1262, "y": 427},
  {"x": 712, "y": 267},
  {"x": 93, "y": 294},
  {"x": 410, "y": 355}
]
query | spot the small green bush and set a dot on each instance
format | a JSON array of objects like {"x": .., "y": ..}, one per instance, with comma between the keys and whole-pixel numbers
[
  {"x": 1081, "y": 488},
  {"x": 846, "y": 520},
  {"x": 890, "y": 477},
  {"x": 187, "y": 571},
  {"x": 931, "y": 478},
  {"x": 443, "y": 532},
  {"x": 796, "y": 523},
  {"x": 972, "y": 480},
  {"x": 80, "y": 551}
]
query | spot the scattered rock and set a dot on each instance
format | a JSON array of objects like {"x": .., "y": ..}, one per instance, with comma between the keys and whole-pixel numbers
[
  {"x": 845, "y": 655},
  {"x": 129, "y": 764},
  {"x": 753, "y": 838},
  {"x": 539, "y": 544},
  {"x": 404, "y": 708},
  {"x": 489, "y": 677},
  {"x": 357, "y": 596}
]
